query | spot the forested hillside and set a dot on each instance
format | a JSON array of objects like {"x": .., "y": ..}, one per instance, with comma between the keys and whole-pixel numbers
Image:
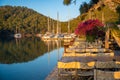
[
  {"x": 23, "y": 19},
  {"x": 28, "y": 21}
]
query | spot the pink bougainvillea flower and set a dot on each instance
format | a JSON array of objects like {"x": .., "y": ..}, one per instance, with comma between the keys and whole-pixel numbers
[{"x": 89, "y": 27}]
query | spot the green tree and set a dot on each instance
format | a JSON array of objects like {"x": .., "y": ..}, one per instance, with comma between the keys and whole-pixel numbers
[
  {"x": 22, "y": 19},
  {"x": 67, "y": 2},
  {"x": 118, "y": 11},
  {"x": 94, "y": 2},
  {"x": 84, "y": 8}
]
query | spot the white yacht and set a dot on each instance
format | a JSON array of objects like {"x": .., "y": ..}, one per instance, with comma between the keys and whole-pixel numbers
[{"x": 17, "y": 35}]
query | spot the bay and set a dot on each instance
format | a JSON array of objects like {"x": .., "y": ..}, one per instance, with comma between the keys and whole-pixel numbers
[{"x": 28, "y": 59}]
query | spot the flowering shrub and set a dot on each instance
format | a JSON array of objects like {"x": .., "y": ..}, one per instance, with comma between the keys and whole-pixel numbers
[{"x": 90, "y": 29}]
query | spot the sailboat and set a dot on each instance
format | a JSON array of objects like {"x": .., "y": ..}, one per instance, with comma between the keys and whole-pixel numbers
[
  {"x": 38, "y": 34},
  {"x": 58, "y": 35},
  {"x": 48, "y": 35},
  {"x": 68, "y": 36},
  {"x": 17, "y": 34}
]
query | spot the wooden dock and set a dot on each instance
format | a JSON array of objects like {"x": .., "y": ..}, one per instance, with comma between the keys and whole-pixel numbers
[
  {"x": 95, "y": 62},
  {"x": 54, "y": 74}
]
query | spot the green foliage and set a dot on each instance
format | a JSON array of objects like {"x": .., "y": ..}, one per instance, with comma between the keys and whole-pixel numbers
[
  {"x": 64, "y": 26},
  {"x": 109, "y": 15},
  {"x": 74, "y": 23},
  {"x": 22, "y": 19},
  {"x": 118, "y": 11},
  {"x": 90, "y": 38},
  {"x": 94, "y": 2},
  {"x": 84, "y": 8},
  {"x": 29, "y": 21},
  {"x": 67, "y": 2}
]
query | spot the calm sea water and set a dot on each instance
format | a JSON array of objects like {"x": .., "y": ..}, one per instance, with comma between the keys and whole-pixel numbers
[{"x": 28, "y": 59}]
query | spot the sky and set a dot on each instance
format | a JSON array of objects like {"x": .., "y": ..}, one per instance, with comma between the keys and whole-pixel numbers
[{"x": 49, "y": 7}]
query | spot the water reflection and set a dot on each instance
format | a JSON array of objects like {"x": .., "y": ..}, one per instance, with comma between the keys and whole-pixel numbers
[
  {"x": 33, "y": 59},
  {"x": 23, "y": 50},
  {"x": 54, "y": 44}
]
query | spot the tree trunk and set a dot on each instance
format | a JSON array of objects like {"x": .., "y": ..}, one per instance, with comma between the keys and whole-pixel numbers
[{"x": 107, "y": 39}]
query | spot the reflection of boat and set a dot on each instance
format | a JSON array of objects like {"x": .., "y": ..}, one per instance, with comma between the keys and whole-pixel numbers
[
  {"x": 17, "y": 35},
  {"x": 58, "y": 36}
]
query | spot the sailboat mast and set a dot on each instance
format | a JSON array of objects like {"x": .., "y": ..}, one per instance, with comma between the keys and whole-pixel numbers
[
  {"x": 57, "y": 22},
  {"x": 68, "y": 20},
  {"x": 36, "y": 28},
  {"x": 53, "y": 27},
  {"x": 68, "y": 26},
  {"x": 16, "y": 30},
  {"x": 48, "y": 25},
  {"x": 60, "y": 27}
]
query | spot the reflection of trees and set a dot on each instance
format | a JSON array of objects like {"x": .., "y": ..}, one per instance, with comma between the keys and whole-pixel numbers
[
  {"x": 22, "y": 51},
  {"x": 53, "y": 44}
]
